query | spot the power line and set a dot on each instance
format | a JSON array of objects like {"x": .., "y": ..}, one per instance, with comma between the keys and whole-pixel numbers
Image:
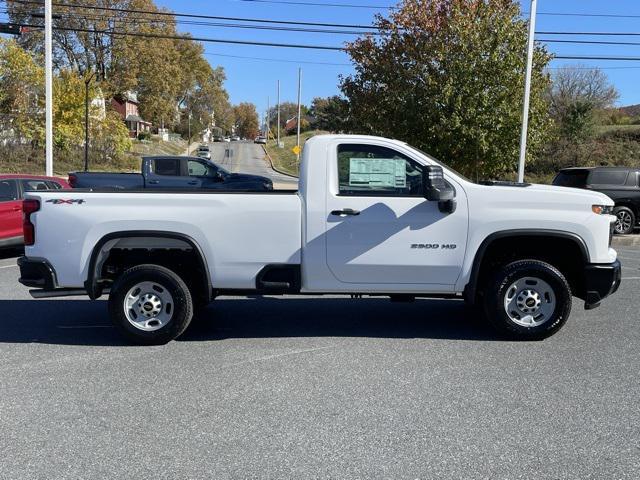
[
  {"x": 314, "y": 4},
  {"x": 620, "y": 34},
  {"x": 193, "y": 15},
  {"x": 215, "y": 54},
  {"x": 188, "y": 38},
  {"x": 589, "y": 42},
  {"x": 589, "y": 57}
]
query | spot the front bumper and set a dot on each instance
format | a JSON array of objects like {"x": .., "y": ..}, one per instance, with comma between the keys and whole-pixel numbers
[{"x": 601, "y": 280}]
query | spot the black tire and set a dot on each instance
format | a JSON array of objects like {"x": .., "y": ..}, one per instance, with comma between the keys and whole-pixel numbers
[
  {"x": 180, "y": 311},
  {"x": 501, "y": 287},
  {"x": 625, "y": 220}
]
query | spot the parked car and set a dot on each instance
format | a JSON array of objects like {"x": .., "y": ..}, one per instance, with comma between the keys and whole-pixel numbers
[
  {"x": 621, "y": 184},
  {"x": 373, "y": 216},
  {"x": 204, "y": 152},
  {"x": 172, "y": 173},
  {"x": 218, "y": 138},
  {"x": 226, "y": 139},
  {"x": 235, "y": 138},
  {"x": 12, "y": 189},
  {"x": 260, "y": 139}
]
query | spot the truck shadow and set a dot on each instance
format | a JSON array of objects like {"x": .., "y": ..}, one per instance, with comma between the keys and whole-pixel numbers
[{"x": 82, "y": 322}]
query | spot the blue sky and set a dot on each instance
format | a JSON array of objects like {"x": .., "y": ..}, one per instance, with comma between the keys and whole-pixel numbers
[{"x": 255, "y": 80}]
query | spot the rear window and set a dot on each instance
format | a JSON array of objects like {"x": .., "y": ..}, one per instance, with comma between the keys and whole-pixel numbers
[
  {"x": 35, "y": 185},
  {"x": 608, "y": 177},
  {"x": 166, "y": 166},
  {"x": 572, "y": 178}
]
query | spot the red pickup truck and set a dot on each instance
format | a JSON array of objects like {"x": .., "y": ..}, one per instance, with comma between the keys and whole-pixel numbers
[{"x": 12, "y": 188}]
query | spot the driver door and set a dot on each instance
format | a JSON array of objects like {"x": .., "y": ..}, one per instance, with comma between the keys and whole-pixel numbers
[{"x": 381, "y": 230}]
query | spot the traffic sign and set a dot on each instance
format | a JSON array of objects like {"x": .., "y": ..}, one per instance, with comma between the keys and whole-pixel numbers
[{"x": 296, "y": 149}]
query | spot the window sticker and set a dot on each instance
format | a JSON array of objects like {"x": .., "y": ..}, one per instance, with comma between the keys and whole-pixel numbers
[{"x": 378, "y": 172}]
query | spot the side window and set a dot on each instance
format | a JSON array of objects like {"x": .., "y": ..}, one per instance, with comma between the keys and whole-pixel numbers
[
  {"x": 166, "y": 166},
  {"x": 608, "y": 177},
  {"x": 371, "y": 170},
  {"x": 34, "y": 185},
  {"x": 8, "y": 190},
  {"x": 54, "y": 185},
  {"x": 200, "y": 169}
]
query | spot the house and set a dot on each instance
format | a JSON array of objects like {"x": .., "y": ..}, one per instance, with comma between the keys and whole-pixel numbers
[
  {"x": 127, "y": 106},
  {"x": 292, "y": 123}
]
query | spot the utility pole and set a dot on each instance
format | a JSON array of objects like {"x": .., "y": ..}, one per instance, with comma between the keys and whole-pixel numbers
[
  {"x": 527, "y": 90},
  {"x": 189, "y": 139},
  {"x": 48, "y": 83},
  {"x": 87, "y": 81},
  {"x": 299, "y": 119},
  {"x": 278, "y": 125},
  {"x": 267, "y": 119}
]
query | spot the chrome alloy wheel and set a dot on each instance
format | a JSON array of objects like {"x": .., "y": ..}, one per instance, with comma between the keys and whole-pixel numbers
[
  {"x": 623, "y": 222},
  {"x": 529, "y": 302},
  {"x": 148, "y": 306}
]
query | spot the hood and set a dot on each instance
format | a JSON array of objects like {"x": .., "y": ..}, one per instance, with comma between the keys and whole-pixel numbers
[
  {"x": 245, "y": 177},
  {"x": 524, "y": 196}
]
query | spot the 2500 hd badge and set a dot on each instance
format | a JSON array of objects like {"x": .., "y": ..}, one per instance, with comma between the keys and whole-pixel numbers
[{"x": 434, "y": 246}]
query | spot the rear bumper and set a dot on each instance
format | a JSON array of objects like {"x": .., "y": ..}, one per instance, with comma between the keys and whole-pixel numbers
[
  {"x": 601, "y": 280},
  {"x": 37, "y": 273}
]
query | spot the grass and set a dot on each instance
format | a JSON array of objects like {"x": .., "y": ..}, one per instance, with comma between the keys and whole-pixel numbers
[
  {"x": 283, "y": 158},
  {"x": 24, "y": 159},
  {"x": 612, "y": 128}
]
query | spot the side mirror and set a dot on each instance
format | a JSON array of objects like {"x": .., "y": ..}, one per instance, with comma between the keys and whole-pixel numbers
[{"x": 436, "y": 189}]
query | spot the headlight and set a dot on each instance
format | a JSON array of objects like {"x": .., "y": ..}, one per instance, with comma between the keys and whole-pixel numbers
[{"x": 602, "y": 209}]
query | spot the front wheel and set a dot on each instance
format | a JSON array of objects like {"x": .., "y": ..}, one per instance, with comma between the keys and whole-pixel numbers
[
  {"x": 150, "y": 305},
  {"x": 528, "y": 300},
  {"x": 625, "y": 220}
]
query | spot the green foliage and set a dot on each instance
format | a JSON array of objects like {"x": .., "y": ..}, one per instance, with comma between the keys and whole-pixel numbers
[
  {"x": 330, "y": 114},
  {"x": 21, "y": 93},
  {"x": 448, "y": 76}
]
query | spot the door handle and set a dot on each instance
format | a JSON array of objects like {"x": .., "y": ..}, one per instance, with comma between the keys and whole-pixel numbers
[
  {"x": 154, "y": 182},
  {"x": 345, "y": 212},
  {"x": 17, "y": 209},
  {"x": 193, "y": 182}
]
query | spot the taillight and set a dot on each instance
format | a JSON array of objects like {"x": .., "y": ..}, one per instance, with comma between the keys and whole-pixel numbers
[
  {"x": 73, "y": 180},
  {"x": 29, "y": 231}
]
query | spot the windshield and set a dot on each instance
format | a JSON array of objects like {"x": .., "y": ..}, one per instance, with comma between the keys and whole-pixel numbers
[{"x": 447, "y": 167}]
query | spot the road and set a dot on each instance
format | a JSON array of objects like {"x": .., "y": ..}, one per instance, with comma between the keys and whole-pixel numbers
[
  {"x": 318, "y": 387},
  {"x": 247, "y": 157}
]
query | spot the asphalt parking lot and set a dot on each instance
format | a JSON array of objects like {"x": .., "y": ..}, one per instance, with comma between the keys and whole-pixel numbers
[{"x": 318, "y": 388}]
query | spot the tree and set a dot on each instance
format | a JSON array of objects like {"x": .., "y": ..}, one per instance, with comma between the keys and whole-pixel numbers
[
  {"x": 288, "y": 110},
  {"x": 447, "y": 76},
  {"x": 330, "y": 113},
  {"x": 246, "y": 120},
  {"x": 21, "y": 93},
  {"x": 576, "y": 95},
  {"x": 163, "y": 71}
]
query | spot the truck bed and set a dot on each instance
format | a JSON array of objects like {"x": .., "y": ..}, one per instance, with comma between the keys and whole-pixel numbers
[{"x": 238, "y": 232}]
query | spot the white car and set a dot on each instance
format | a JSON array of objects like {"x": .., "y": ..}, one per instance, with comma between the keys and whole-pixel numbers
[
  {"x": 204, "y": 152},
  {"x": 372, "y": 217}
]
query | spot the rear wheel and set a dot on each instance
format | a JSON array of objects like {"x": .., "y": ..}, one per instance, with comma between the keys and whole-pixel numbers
[
  {"x": 528, "y": 300},
  {"x": 625, "y": 220},
  {"x": 150, "y": 305}
]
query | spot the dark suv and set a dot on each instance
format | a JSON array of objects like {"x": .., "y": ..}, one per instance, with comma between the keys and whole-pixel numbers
[{"x": 620, "y": 184}]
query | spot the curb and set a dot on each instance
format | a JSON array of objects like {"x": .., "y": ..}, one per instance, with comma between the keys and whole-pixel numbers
[
  {"x": 626, "y": 241},
  {"x": 274, "y": 168}
]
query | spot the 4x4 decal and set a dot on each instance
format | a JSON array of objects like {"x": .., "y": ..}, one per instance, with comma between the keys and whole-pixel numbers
[{"x": 62, "y": 201}]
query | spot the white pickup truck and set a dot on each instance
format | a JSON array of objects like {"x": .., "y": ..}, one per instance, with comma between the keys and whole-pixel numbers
[{"x": 372, "y": 216}]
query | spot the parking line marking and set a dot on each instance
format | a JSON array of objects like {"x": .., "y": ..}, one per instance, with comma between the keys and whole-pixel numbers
[
  {"x": 8, "y": 266},
  {"x": 630, "y": 278}
]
